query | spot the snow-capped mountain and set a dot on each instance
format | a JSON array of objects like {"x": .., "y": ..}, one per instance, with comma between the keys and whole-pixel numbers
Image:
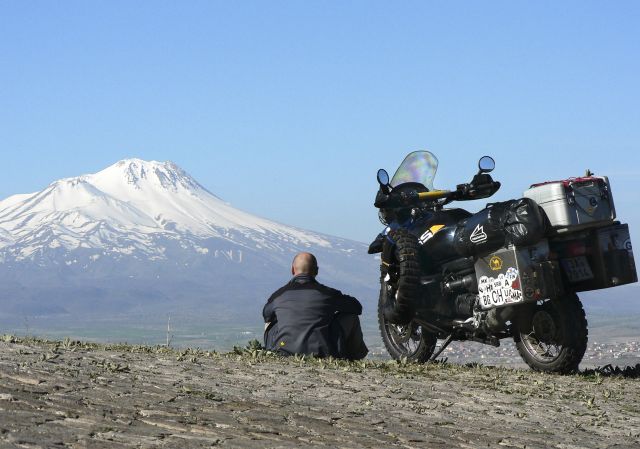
[
  {"x": 148, "y": 231},
  {"x": 135, "y": 200}
]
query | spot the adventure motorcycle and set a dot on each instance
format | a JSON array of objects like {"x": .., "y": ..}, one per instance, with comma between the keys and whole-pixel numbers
[{"x": 509, "y": 270}]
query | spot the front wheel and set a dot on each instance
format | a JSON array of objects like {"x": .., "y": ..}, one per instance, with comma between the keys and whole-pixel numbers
[
  {"x": 409, "y": 341},
  {"x": 552, "y": 336}
]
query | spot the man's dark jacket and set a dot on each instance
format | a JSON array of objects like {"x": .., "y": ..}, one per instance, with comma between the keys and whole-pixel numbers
[{"x": 305, "y": 312}]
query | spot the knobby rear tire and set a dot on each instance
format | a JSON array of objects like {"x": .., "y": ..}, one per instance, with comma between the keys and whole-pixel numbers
[{"x": 553, "y": 336}]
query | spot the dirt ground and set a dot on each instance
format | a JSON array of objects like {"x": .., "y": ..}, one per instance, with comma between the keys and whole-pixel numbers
[{"x": 75, "y": 395}]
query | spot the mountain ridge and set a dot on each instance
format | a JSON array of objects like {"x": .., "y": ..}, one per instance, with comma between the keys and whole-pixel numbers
[{"x": 152, "y": 223}]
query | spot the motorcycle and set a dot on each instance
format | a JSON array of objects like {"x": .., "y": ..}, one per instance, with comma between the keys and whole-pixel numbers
[{"x": 511, "y": 270}]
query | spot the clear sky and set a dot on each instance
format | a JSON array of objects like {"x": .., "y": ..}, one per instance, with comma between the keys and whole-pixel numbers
[{"x": 286, "y": 109}]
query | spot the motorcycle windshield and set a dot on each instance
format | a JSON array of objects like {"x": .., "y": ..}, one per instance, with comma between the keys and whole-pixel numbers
[{"x": 419, "y": 166}]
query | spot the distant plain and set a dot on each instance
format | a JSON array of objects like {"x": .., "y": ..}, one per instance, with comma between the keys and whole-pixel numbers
[{"x": 615, "y": 331}]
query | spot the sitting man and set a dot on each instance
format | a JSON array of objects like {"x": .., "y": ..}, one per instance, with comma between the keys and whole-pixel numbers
[{"x": 306, "y": 317}]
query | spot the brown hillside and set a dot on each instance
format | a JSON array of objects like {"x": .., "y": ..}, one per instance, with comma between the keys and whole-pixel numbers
[{"x": 69, "y": 394}]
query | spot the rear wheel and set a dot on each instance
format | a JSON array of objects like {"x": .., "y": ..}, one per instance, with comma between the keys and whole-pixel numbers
[{"x": 553, "y": 336}]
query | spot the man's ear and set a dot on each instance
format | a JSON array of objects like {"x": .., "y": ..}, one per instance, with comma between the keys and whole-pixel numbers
[
  {"x": 293, "y": 272},
  {"x": 316, "y": 271}
]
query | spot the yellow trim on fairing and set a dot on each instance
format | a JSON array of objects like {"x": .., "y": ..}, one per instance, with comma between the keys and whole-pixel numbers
[{"x": 436, "y": 228}]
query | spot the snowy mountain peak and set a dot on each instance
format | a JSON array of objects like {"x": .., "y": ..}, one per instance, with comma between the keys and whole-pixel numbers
[
  {"x": 145, "y": 237},
  {"x": 138, "y": 173},
  {"x": 129, "y": 206}
]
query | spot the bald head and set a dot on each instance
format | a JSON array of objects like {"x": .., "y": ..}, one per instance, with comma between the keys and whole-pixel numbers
[{"x": 304, "y": 263}]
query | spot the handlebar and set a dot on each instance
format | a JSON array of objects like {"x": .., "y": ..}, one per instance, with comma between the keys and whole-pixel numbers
[
  {"x": 471, "y": 191},
  {"x": 412, "y": 198},
  {"x": 434, "y": 195}
]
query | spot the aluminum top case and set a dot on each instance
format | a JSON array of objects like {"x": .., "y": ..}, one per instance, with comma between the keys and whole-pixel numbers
[{"x": 575, "y": 203}]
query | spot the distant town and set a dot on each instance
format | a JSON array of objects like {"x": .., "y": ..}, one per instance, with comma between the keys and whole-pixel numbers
[{"x": 598, "y": 354}]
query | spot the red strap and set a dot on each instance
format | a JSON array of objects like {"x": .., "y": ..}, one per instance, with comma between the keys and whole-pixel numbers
[{"x": 569, "y": 181}]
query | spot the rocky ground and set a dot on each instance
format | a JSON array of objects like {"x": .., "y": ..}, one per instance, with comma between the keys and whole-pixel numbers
[{"x": 71, "y": 394}]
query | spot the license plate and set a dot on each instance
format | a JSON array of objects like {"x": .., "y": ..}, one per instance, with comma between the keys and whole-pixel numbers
[{"x": 577, "y": 269}]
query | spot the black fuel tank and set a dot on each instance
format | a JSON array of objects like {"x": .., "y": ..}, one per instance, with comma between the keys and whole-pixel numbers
[{"x": 436, "y": 232}]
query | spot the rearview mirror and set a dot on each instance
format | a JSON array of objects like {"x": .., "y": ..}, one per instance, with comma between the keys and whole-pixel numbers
[
  {"x": 383, "y": 180},
  {"x": 383, "y": 177},
  {"x": 486, "y": 164}
]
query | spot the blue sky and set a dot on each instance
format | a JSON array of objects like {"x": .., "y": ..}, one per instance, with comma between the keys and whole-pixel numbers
[{"x": 287, "y": 109}]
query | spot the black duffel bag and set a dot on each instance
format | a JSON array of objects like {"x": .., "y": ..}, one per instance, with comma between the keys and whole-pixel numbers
[
  {"x": 524, "y": 222},
  {"x": 517, "y": 221}
]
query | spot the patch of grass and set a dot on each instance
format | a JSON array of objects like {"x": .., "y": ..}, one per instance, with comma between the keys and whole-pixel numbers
[{"x": 253, "y": 352}]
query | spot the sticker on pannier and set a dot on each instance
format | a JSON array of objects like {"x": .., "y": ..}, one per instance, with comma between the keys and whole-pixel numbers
[{"x": 500, "y": 290}]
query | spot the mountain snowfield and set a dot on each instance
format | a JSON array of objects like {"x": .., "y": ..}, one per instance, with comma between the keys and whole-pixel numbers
[
  {"x": 137, "y": 200},
  {"x": 142, "y": 233}
]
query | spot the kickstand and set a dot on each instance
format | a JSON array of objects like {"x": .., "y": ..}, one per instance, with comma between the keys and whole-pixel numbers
[{"x": 445, "y": 343}]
